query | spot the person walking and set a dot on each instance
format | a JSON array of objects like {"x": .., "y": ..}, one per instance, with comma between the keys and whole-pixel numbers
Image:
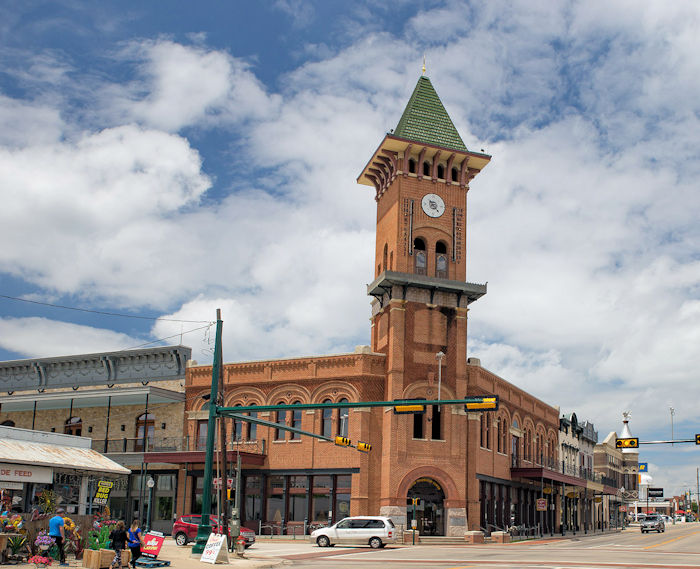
[
  {"x": 118, "y": 537},
  {"x": 134, "y": 541},
  {"x": 57, "y": 531}
]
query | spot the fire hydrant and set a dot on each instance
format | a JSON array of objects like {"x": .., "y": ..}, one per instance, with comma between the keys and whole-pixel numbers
[{"x": 240, "y": 546}]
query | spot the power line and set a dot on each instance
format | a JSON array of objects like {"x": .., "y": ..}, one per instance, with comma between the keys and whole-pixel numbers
[
  {"x": 209, "y": 325},
  {"x": 101, "y": 312}
]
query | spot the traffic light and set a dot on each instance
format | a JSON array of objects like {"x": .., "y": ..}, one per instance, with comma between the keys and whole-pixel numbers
[
  {"x": 483, "y": 404},
  {"x": 627, "y": 443},
  {"x": 342, "y": 441},
  {"x": 409, "y": 409},
  {"x": 697, "y": 439},
  {"x": 364, "y": 447},
  {"x": 413, "y": 501}
]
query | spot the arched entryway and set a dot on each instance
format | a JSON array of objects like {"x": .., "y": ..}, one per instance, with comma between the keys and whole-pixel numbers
[{"x": 429, "y": 509}]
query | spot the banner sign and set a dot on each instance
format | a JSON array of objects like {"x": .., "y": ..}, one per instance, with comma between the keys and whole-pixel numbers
[
  {"x": 25, "y": 473},
  {"x": 102, "y": 493},
  {"x": 643, "y": 467},
  {"x": 152, "y": 542}
]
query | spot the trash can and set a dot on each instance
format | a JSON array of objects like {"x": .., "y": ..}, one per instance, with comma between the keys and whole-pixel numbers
[{"x": 240, "y": 546}]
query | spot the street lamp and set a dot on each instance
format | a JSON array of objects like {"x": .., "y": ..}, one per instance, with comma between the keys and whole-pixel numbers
[
  {"x": 439, "y": 357},
  {"x": 150, "y": 483}
]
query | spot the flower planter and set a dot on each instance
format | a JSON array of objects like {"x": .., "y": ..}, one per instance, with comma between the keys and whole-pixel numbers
[{"x": 102, "y": 558}]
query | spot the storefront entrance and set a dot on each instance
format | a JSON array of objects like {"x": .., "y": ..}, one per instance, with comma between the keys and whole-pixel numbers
[{"x": 429, "y": 510}]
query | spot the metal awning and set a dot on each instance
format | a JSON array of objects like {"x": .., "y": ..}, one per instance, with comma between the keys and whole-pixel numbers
[
  {"x": 15, "y": 451},
  {"x": 90, "y": 398}
]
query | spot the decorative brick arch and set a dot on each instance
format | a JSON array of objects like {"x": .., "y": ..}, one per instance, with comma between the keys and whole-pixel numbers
[
  {"x": 335, "y": 391},
  {"x": 419, "y": 389},
  {"x": 288, "y": 394},
  {"x": 448, "y": 485},
  {"x": 245, "y": 396}
]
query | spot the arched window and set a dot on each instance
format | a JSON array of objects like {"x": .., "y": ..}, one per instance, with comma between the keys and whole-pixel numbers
[
  {"x": 145, "y": 429},
  {"x": 327, "y": 420},
  {"x": 296, "y": 420},
  {"x": 281, "y": 420},
  {"x": 504, "y": 434},
  {"x": 421, "y": 259},
  {"x": 482, "y": 424},
  {"x": 391, "y": 261},
  {"x": 455, "y": 175},
  {"x": 343, "y": 418},
  {"x": 426, "y": 168},
  {"x": 440, "y": 260},
  {"x": 436, "y": 422},
  {"x": 411, "y": 165},
  {"x": 73, "y": 426},
  {"x": 8, "y": 423},
  {"x": 237, "y": 428},
  {"x": 441, "y": 171},
  {"x": 384, "y": 258},
  {"x": 252, "y": 428},
  {"x": 488, "y": 430},
  {"x": 499, "y": 432}
]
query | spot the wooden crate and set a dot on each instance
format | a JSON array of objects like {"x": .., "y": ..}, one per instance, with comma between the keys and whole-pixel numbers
[{"x": 102, "y": 559}]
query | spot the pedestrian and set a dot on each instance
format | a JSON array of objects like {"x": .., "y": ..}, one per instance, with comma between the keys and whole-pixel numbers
[
  {"x": 57, "y": 531},
  {"x": 134, "y": 541},
  {"x": 118, "y": 537}
]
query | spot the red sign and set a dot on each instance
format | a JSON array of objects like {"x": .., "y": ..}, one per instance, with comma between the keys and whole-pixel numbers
[
  {"x": 622, "y": 508},
  {"x": 152, "y": 542}
]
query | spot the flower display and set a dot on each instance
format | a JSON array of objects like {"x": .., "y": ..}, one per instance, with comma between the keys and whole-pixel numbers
[
  {"x": 44, "y": 540},
  {"x": 40, "y": 561}
]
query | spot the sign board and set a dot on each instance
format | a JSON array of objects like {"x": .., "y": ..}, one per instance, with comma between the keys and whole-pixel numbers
[
  {"x": 217, "y": 482},
  {"x": 656, "y": 492},
  {"x": 11, "y": 486},
  {"x": 25, "y": 473},
  {"x": 643, "y": 467},
  {"x": 541, "y": 504},
  {"x": 102, "y": 492},
  {"x": 216, "y": 549},
  {"x": 622, "y": 509},
  {"x": 152, "y": 542}
]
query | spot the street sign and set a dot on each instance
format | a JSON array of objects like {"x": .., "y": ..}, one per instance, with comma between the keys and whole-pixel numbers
[
  {"x": 541, "y": 504},
  {"x": 622, "y": 509},
  {"x": 656, "y": 492},
  {"x": 643, "y": 467},
  {"x": 627, "y": 443}
]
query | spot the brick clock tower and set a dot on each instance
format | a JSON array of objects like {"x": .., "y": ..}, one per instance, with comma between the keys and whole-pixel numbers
[{"x": 421, "y": 174}]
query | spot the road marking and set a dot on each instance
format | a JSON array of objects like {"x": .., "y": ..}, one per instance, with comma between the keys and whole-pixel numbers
[{"x": 669, "y": 540}]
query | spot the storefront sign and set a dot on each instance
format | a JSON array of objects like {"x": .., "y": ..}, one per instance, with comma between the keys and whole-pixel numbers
[
  {"x": 656, "y": 492},
  {"x": 102, "y": 493},
  {"x": 541, "y": 504},
  {"x": 25, "y": 473},
  {"x": 11, "y": 486},
  {"x": 152, "y": 542},
  {"x": 623, "y": 508}
]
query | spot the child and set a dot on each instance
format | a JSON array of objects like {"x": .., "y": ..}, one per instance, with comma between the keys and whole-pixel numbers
[
  {"x": 118, "y": 537},
  {"x": 134, "y": 541}
]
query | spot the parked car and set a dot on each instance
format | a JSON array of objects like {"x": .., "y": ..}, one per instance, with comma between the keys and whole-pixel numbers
[
  {"x": 375, "y": 531},
  {"x": 185, "y": 529},
  {"x": 653, "y": 522}
]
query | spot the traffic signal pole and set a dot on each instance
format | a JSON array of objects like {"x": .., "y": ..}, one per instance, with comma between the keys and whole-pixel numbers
[{"x": 204, "y": 528}]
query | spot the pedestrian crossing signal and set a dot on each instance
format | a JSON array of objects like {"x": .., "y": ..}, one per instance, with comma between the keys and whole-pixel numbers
[
  {"x": 342, "y": 441},
  {"x": 364, "y": 447},
  {"x": 627, "y": 443}
]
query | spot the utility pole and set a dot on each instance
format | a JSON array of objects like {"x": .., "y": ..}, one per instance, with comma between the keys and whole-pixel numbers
[
  {"x": 223, "y": 521},
  {"x": 204, "y": 525}
]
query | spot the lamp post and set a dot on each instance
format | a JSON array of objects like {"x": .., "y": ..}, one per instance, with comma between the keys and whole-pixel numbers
[
  {"x": 439, "y": 357},
  {"x": 673, "y": 412},
  {"x": 150, "y": 483}
]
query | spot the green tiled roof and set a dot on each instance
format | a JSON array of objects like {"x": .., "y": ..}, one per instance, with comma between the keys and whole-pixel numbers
[{"x": 426, "y": 120}]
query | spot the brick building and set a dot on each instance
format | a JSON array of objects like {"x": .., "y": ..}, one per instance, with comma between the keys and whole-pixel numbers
[{"x": 471, "y": 470}]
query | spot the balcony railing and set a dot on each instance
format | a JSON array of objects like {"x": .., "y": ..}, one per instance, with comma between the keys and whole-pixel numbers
[
  {"x": 559, "y": 466},
  {"x": 171, "y": 444}
]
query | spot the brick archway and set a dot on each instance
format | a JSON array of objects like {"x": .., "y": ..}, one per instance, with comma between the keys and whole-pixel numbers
[{"x": 438, "y": 475}]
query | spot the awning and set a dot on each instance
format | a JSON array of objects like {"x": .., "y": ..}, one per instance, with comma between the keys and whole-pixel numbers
[{"x": 58, "y": 456}]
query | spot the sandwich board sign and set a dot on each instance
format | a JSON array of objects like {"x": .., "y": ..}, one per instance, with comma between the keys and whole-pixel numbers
[
  {"x": 216, "y": 549},
  {"x": 152, "y": 542}
]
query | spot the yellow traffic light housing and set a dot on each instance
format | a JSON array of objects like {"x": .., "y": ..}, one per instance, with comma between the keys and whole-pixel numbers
[
  {"x": 627, "y": 443},
  {"x": 483, "y": 404},
  {"x": 409, "y": 409},
  {"x": 342, "y": 441},
  {"x": 364, "y": 447},
  {"x": 697, "y": 439}
]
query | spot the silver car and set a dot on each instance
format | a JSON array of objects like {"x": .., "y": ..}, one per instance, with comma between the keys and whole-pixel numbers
[
  {"x": 653, "y": 522},
  {"x": 375, "y": 531}
]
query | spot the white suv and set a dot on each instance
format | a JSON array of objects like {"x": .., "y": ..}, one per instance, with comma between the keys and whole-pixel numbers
[{"x": 375, "y": 531}]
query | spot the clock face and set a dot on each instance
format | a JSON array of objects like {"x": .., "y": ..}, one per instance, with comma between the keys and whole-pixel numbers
[{"x": 433, "y": 205}]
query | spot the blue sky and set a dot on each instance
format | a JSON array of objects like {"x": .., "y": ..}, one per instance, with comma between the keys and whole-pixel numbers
[{"x": 167, "y": 159}]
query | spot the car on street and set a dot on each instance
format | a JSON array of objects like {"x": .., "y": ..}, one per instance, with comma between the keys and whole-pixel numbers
[
  {"x": 185, "y": 529},
  {"x": 375, "y": 531},
  {"x": 653, "y": 522}
]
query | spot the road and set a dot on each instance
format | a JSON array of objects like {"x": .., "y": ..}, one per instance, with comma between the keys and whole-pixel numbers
[{"x": 677, "y": 548}]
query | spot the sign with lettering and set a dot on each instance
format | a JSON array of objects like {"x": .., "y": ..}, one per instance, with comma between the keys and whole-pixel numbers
[
  {"x": 541, "y": 504},
  {"x": 25, "y": 473},
  {"x": 102, "y": 492},
  {"x": 216, "y": 549},
  {"x": 152, "y": 542},
  {"x": 656, "y": 492}
]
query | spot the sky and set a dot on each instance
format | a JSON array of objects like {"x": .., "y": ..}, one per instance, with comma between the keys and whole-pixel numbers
[{"x": 163, "y": 160}]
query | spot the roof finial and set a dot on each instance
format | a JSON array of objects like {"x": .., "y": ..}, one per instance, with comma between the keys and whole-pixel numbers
[{"x": 423, "y": 64}]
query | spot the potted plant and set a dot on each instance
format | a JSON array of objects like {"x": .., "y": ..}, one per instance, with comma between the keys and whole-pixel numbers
[
  {"x": 17, "y": 543},
  {"x": 40, "y": 561},
  {"x": 44, "y": 541}
]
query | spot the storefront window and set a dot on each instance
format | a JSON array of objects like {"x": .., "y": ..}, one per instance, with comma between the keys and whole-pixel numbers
[
  {"x": 342, "y": 502},
  {"x": 320, "y": 507},
  {"x": 297, "y": 507},
  {"x": 275, "y": 508},
  {"x": 322, "y": 481},
  {"x": 297, "y": 481}
]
